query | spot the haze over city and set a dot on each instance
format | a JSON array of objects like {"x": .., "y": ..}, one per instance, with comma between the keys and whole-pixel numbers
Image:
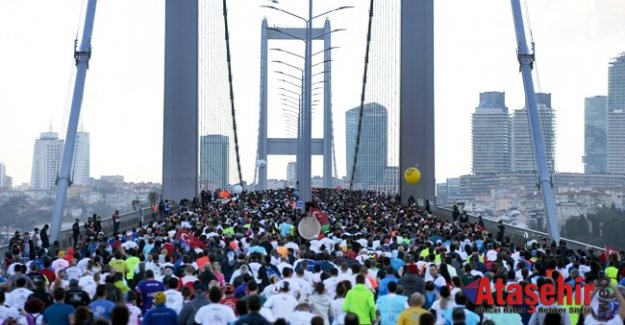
[{"x": 122, "y": 109}]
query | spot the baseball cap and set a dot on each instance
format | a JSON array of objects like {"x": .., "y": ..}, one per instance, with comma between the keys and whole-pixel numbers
[
  {"x": 229, "y": 289},
  {"x": 160, "y": 298}
]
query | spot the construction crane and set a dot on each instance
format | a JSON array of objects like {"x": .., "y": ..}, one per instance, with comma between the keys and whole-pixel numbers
[
  {"x": 82, "y": 54},
  {"x": 526, "y": 61}
]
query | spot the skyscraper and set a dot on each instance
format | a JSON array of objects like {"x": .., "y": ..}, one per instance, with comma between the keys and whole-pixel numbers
[
  {"x": 5, "y": 181},
  {"x": 595, "y": 134},
  {"x": 81, "y": 167},
  {"x": 491, "y": 134},
  {"x": 372, "y": 153},
  {"x": 616, "y": 115},
  {"x": 616, "y": 83},
  {"x": 523, "y": 158},
  {"x": 291, "y": 171},
  {"x": 46, "y": 160},
  {"x": 214, "y": 155}
]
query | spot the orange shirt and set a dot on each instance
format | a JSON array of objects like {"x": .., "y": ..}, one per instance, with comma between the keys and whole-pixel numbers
[{"x": 202, "y": 261}]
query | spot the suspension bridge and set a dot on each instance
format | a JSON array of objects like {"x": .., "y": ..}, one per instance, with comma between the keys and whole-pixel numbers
[{"x": 208, "y": 139}]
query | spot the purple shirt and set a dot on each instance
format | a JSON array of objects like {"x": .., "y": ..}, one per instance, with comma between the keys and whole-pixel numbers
[{"x": 148, "y": 288}]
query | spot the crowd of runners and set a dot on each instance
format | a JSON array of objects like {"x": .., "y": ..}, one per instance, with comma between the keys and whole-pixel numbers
[{"x": 241, "y": 260}]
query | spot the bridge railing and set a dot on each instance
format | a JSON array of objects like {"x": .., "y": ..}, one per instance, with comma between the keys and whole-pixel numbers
[
  {"x": 129, "y": 220},
  {"x": 517, "y": 234}
]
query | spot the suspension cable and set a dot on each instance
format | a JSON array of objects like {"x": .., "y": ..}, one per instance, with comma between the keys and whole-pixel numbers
[
  {"x": 548, "y": 134},
  {"x": 362, "y": 97},
  {"x": 232, "y": 109},
  {"x": 335, "y": 170}
]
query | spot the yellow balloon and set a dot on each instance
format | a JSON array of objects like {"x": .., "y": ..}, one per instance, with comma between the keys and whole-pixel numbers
[{"x": 412, "y": 175}]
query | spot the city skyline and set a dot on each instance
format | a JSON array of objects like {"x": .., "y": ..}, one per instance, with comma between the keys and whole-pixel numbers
[{"x": 123, "y": 97}]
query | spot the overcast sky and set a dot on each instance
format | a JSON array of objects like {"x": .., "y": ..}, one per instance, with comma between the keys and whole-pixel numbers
[{"x": 122, "y": 109}]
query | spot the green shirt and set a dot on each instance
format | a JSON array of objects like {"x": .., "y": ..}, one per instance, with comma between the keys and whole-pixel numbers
[{"x": 359, "y": 300}]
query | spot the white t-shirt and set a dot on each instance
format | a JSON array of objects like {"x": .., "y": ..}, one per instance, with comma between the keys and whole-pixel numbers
[
  {"x": 73, "y": 272},
  {"x": 8, "y": 312},
  {"x": 17, "y": 298},
  {"x": 215, "y": 314},
  {"x": 330, "y": 285},
  {"x": 337, "y": 309},
  {"x": 135, "y": 314},
  {"x": 83, "y": 263},
  {"x": 300, "y": 318},
  {"x": 175, "y": 300},
  {"x": 88, "y": 284},
  {"x": 282, "y": 305},
  {"x": 436, "y": 306}
]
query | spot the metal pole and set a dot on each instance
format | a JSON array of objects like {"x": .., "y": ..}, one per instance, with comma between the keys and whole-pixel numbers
[
  {"x": 305, "y": 188},
  {"x": 82, "y": 55},
  {"x": 327, "y": 108},
  {"x": 526, "y": 60},
  {"x": 262, "y": 130}
]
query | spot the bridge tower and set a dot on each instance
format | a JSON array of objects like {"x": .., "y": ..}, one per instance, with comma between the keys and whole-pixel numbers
[
  {"x": 416, "y": 124},
  {"x": 180, "y": 107},
  {"x": 284, "y": 146},
  {"x": 181, "y": 103}
]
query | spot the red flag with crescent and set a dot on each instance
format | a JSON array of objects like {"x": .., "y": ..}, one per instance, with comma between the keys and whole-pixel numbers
[
  {"x": 320, "y": 215},
  {"x": 609, "y": 250},
  {"x": 190, "y": 239}
]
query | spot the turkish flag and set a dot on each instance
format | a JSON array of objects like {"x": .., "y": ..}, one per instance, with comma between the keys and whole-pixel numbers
[
  {"x": 190, "y": 239},
  {"x": 321, "y": 216},
  {"x": 609, "y": 250},
  {"x": 181, "y": 232}
]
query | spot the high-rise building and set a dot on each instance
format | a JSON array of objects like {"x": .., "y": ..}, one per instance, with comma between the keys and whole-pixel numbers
[
  {"x": 291, "y": 171},
  {"x": 291, "y": 174},
  {"x": 6, "y": 182},
  {"x": 616, "y": 116},
  {"x": 372, "y": 152},
  {"x": 523, "y": 157},
  {"x": 595, "y": 134},
  {"x": 491, "y": 134},
  {"x": 81, "y": 167},
  {"x": 214, "y": 155},
  {"x": 616, "y": 83},
  {"x": 46, "y": 161}
]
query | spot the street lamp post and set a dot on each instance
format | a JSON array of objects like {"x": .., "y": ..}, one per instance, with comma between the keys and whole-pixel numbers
[{"x": 304, "y": 165}]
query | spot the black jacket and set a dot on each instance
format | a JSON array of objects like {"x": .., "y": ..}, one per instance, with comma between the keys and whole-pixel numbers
[
  {"x": 45, "y": 240},
  {"x": 411, "y": 282}
]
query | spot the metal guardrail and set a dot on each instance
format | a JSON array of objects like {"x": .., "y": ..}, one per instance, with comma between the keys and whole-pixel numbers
[
  {"x": 129, "y": 220},
  {"x": 517, "y": 234}
]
